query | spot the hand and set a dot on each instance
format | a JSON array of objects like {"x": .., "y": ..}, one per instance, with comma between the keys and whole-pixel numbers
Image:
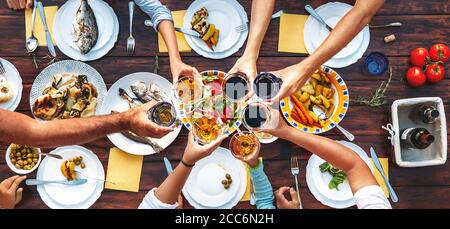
[
  {"x": 282, "y": 202},
  {"x": 246, "y": 65},
  {"x": 10, "y": 193},
  {"x": 277, "y": 126},
  {"x": 19, "y": 4},
  {"x": 251, "y": 160},
  {"x": 194, "y": 152},
  {"x": 181, "y": 69},
  {"x": 294, "y": 77},
  {"x": 138, "y": 122}
]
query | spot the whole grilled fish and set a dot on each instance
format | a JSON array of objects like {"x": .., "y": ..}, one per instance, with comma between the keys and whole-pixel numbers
[{"x": 85, "y": 27}]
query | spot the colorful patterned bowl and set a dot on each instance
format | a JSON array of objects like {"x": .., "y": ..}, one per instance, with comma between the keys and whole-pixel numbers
[{"x": 339, "y": 112}]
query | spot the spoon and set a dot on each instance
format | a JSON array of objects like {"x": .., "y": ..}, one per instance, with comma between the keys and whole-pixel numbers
[
  {"x": 322, "y": 114},
  {"x": 32, "y": 42},
  {"x": 393, "y": 24},
  {"x": 51, "y": 155}
]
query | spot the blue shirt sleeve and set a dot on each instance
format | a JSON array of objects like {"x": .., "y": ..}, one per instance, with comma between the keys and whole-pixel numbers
[
  {"x": 262, "y": 187},
  {"x": 155, "y": 10}
]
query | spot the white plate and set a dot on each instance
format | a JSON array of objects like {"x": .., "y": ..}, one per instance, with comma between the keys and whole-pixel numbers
[
  {"x": 205, "y": 180},
  {"x": 103, "y": 17},
  {"x": 242, "y": 174},
  {"x": 315, "y": 33},
  {"x": 115, "y": 102},
  {"x": 99, "y": 51},
  {"x": 318, "y": 182},
  {"x": 45, "y": 77},
  {"x": 226, "y": 15},
  {"x": 13, "y": 77},
  {"x": 66, "y": 196}
]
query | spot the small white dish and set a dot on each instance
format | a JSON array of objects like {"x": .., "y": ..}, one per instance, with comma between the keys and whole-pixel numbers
[
  {"x": 13, "y": 77},
  {"x": 21, "y": 171}
]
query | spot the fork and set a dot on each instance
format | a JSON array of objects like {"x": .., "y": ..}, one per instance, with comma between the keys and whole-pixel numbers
[
  {"x": 295, "y": 171},
  {"x": 2, "y": 69},
  {"x": 130, "y": 40},
  {"x": 93, "y": 178},
  {"x": 244, "y": 27}
]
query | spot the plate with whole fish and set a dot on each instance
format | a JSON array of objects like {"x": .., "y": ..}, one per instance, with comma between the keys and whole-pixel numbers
[
  {"x": 67, "y": 89},
  {"x": 133, "y": 90},
  {"x": 86, "y": 29}
]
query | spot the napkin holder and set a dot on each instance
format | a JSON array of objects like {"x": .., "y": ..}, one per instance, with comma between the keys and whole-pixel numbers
[{"x": 436, "y": 153}]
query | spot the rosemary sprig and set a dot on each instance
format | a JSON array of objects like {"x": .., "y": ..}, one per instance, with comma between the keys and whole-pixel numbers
[
  {"x": 47, "y": 60},
  {"x": 156, "y": 68},
  {"x": 378, "y": 97}
]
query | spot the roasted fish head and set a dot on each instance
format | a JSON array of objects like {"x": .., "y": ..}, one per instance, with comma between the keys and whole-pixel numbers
[{"x": 85, "y": 27}]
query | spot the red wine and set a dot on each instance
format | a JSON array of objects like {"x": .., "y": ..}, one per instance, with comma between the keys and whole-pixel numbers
[
  {"x": 255, "y": 116},
  {"x": 419, "y": 138},
  {"x": 267, "y": 85},
  {"x": 424, "y": 114},
  {"x": 236, "y": 86}
]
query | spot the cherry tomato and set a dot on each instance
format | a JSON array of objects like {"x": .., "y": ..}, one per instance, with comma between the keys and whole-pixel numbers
[
  {"x": 419, "y": 57},
  {"x": 415, "y": 77},
  {"x": 439, "y": 52},
  {"x": 435, "y": 73}
]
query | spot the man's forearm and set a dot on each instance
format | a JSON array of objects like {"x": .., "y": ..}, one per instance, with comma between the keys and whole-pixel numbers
[
  {"x": 259, "y": 22},
  {"x": 21, "y": 129},
  {"x": 344, "y": 32}
]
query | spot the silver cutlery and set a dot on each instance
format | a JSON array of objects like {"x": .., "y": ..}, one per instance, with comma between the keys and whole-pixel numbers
[
  {"x": 244, "y": 27},
  {"x": 169, "y": 168},
  {"x": 295, "y": 171},
  {"x": 93, "y": 178},
  {"x": 131, "y": 41},
  {"x": 189, "y": 32},
  {"x": 277, "y": 14},
  {"x": 51, "y": 155},
  {"x": 377, "y": 163},
  {"x": 31, "y": 182},
  {"x": 315, "y": 15},
  {"x": 2, "y": 69},
  {"x": 393, "y": 24},
  {"x": 48, "y": 37},
  {"x": 32, "y": 43},
  {"x": 322, "y": 114},
  {"x": 252, "y": 193}
]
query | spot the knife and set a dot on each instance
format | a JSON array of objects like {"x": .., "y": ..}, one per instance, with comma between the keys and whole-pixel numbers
[
  {"x": 51, "y": 47},
  {"x": 315, "y": 15},
  {"x": 66, "y": 182},
  {"x": 187, "y": 32},
  {"x": 380, "y": 169},
  {"x": 169, "y": 168}
]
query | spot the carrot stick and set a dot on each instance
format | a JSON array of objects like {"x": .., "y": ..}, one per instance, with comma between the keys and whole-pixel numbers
[
  {"x": 303, "y": 119},
  {"x": 295, "y": 116},
  {"x": 303, "y": 110}
]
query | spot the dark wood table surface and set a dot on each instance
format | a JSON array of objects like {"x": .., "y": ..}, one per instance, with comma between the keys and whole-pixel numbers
[{"x": 424, "y": 24}]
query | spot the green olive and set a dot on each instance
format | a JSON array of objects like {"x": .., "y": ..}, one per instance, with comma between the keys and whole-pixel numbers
[
  {"x": 23, "y": 151},
  {"x": 230, "y": 181},
  {"x": 29, "y": 160},
  {"x": 35, "y": 160},
  {"x": 228, "y": 176},
  {"x": 224, "y": 182},
  {"x": 25, "y": 162},
  {"x": 18, "y": 166},
  {"x": 83, "y": 165},
  {"x": 35, "y": 155},
  {"x": 18, "y": 154},
  {"x": 20, "y": 162},
  {"x": 29, "y": 155},
  {"x": 13, "y": 160},
  {"x": 32, "y": 164}
]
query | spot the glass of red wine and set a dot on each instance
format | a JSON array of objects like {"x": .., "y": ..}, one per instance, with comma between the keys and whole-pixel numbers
[
  {"x": 266, "y": 85},
  {"x": 236, "y": 86},
  {"x": 256, "y": 115}
]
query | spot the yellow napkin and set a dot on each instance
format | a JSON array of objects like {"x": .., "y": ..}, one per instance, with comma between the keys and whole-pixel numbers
[
  {"x": 291, "y": 33},
  {"x": 384, "y": 163},
  {"x": 183, "y": 46},
  {"x": 247, "y": 194},
  {"x": 39, "y": 33},
  {"x": 124, "y": 170}
]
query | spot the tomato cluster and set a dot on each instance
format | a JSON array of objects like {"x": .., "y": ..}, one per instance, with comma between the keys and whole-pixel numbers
[{"x": 427, "y": 65}]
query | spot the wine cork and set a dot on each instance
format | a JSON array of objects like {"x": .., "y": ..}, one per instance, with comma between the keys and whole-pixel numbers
[{"x": 389, "y": 38}]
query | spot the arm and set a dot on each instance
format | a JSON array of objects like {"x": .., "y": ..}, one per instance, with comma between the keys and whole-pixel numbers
[
  {"x": 260, "y": 19},
  {"x": 358, "y": 173},
  {"x": 21, "y": 129},
  {"x": 347, "y": 28},
  {"x": 19, "y": 4},
  {"x": 262, "y": 187},
  {"x": 166, "y": 195}
]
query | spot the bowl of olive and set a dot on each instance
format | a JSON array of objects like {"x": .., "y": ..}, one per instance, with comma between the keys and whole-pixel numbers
[{"x": 23, "y": 159}]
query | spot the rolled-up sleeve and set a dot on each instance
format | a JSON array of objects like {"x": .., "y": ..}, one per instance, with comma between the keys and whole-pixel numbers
[
  {"x": 155, "y": 10},
  {"x": 150, "y": 201}
]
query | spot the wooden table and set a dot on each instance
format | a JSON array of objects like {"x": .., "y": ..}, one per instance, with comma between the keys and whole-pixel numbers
[{"x": 424, "y": 23}]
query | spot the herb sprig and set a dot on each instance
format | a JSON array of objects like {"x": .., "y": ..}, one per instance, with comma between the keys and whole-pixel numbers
[{"x": 378, "y": 97}]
